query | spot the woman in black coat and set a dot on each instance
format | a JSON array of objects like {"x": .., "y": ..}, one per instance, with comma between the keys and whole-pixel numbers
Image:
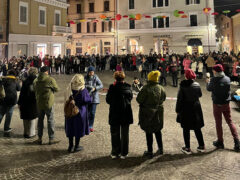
[
  {"x": 119, "y": 98},
  {"x": 27, "y": 104},
  {"x": 189, "y": 111}
]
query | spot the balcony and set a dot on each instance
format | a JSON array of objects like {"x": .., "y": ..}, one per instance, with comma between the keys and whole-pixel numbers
[{"x": 61, "y": 31}]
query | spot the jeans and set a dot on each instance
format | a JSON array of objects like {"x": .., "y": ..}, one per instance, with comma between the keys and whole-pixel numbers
[
  {"x": 8, "y": 110},
  {"x": 199, "y": 136},
  {"x": 50, "y": 119},
  {"x": 218, "y": 110},
  {"x": 92, "y": 111},
  {"x": 120, "y": 139},
  {"x": 149, "y": 137},
  {"x": 175, "y": 79}
]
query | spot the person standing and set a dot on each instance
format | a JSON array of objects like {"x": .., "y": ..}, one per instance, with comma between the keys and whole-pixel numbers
[
  {"x": 27, "y": 104},
  {"x": 78, "y": 126},
  {"x": 93, "y": 85},
  {"x": 11, "y": 85},
  {"x": 174, "y": 71},
  {"x": 210, "y": 63},
  {"x": 45, "y": 87},
  {"x": 219, "y": 85},
  {"x": 119, "y": 98},
  {"x": 151, "y": 112},
  {"x": 189, "y": 111}
]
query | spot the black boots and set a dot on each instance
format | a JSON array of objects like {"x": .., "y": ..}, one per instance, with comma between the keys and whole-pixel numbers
[{"x": 236, "y": 145}]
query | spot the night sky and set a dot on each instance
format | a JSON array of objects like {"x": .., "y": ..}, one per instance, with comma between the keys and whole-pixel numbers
[{"x": 221, "y": 5}]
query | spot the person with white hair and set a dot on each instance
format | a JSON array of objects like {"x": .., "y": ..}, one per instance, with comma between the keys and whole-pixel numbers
[{"x": 78, "y": 126}]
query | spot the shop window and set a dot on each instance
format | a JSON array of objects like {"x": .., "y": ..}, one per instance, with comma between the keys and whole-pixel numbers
[
  {"x": 79, "y": 50},
  {"x": 22, "y": 49}
]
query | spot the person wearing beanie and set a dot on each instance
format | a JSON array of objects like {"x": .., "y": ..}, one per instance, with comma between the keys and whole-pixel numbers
[
  {"x": 151, "y": 111},
  {"x": 93, "y": 85},
  {"x": 78, "y": 126},
  {"x": 119, "y": 98},
  {"x": 219, "y": 85},
  {"x": 189, "y": 111},
  {"x": 45, "y": 87}
]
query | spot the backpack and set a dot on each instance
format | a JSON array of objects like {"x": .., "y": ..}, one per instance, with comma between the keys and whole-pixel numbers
[{"x": 70, "y": 108}]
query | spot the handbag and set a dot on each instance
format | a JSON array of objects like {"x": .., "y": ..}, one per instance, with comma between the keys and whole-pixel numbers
[
  {"x": 70, "y": 108},
  {"x": 2, "y": 92}
]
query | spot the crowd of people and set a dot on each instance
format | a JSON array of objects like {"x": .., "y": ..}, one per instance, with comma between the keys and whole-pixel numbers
[{"x": 37, "y": 96}]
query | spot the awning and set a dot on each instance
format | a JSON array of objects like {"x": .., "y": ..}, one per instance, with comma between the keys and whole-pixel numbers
[{"x": 194, "y": 42}]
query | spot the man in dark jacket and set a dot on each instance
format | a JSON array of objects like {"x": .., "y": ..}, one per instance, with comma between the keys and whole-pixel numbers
[
  {"x": 11, "y": 86},
  {"x": 219, "y": 85},
  {"x": 119, "y": 98}
]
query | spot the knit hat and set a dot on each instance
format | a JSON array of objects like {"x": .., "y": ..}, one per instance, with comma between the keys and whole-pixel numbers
[
  {"x": 190, "y": 74},
  {"x": 154, "y": 76},
  {"x": 44, "y": 69},
  {"x": 91, "y": 68},
  {"x": 218, "y": 68}
]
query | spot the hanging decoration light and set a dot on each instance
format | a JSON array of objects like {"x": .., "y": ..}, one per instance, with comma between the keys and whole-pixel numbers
[
  {"x": 215, "y": 13},
  {"x": 125, "y": 16},
  {"x": 207, "y": 10},
  {"x": 184, "y": 16},
  {"x": 176, "y": 13},
  {"x": 118, "y": 17},
  {"x": 180, "y": 12},
  {"x": 103, "y": 16},
  {"x": 138, "y": 16}
]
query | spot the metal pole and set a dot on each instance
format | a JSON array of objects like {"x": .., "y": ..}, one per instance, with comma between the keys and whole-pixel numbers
[
  {"x": 116, "y": 12},
  {"x": 7, "y": 28}
]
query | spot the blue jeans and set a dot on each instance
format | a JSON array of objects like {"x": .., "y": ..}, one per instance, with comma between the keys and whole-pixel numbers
[
  {"x": 92, "y": 111},
  {"x": 8, "y": 110},
  {"x": 50, "y": 120}
]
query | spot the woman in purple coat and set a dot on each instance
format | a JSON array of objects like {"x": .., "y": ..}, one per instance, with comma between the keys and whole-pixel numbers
[{"x": 78, "y": 126}]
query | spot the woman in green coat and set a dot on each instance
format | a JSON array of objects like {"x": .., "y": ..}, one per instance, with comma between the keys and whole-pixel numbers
[{"x": 151, "y": 111}]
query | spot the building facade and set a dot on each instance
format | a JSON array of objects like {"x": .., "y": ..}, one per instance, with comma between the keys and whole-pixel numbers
[
  {"x": 195, "y": 32},
  {"x": 91, "y": 34},
  {"x": 38, "y": 27},
  {"x": 236, "y": 32},
  {"x": 224, "y": 33},
  {"x": 3, "y": 29}
]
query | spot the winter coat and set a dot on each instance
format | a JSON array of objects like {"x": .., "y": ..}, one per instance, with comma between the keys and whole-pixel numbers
[
  {"x": 93, "y": 82},
  {"x": 119, "y": 98},
  {"x": 27, "y": 100},
  {"x": 210, "y": 62},
  {"x": 220, "y": 88},
  {"x": 188, "y": 106},
  {"x": 194, "y": 66},
  {"x": 162, "y": 67},
  {"x": 187, "y": 64},
  {"x": 11, "y": 86},
  {"x": 45, "y": 87},
  {"x": 78, "y": 126},
  {"x": 200, "y": 67},
  {"x": 151, "y": 111}
]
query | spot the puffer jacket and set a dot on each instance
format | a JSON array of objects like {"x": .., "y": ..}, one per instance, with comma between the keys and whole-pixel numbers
[
  {"x": 11, "y": 86},
  {"x": 45, "y": 87},
  {"x": 188, "y": 106},
  {"x": 151, "y": 111}
]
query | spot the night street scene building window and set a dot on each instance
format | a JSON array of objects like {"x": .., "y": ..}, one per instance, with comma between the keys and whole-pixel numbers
[
  {"x": 106, "y": 5},
  {"x": 23, "y": 12},
  {"x": 110, "y": 26},
  {"x": 160, "y": 3},
  {"x": 57, "y": 18},
  {"x": 131, "y": 24},
  {"x": 42, "y": 16},
  {"x": 79, "y": 28},
  {"x": 88, "y": 27},
  {"x": 188, "y": 2},
  {"x": 193, "y": 20},
  {"x": 94, "y": 27},
  {"x": 131, "y": 4},
  {"x": 161, "y": 22},
  {"x": 79, "y": 8},
  {"x": 91, "y": 7},
  {"x": 103, "y": 26}
]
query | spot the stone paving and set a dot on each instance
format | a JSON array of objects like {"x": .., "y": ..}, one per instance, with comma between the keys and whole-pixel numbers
[{"x": 23, "y": 159}]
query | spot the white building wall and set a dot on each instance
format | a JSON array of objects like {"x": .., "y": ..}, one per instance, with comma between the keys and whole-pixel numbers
[{"x": 179, "y": 32}]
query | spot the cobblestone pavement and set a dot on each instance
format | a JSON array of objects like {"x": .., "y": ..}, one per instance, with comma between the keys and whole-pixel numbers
[{"x": 22, "y": 159}]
